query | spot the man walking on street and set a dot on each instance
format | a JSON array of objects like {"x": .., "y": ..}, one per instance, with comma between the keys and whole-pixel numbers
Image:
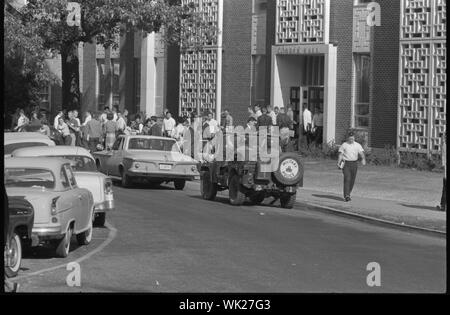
[{"x": 349, "y": 152}]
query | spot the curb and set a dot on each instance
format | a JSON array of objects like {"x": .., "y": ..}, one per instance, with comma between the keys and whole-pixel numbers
[{"x": 366, "y": 218}]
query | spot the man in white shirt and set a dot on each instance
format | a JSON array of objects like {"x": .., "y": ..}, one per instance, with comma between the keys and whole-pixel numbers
[
  {"x": 349, "y": 152},
  {"x": 307, "y": 124},
  {"x": 121, "y": 125},
  {"x": 88, "y": 117},
  {"x": 56, "y": 121},
  {"x": 258, "y": 111},
  {"x": 213, "y": 124},
  {"x": 272, "y": 115},
  {"x": 168, "y": 125}
]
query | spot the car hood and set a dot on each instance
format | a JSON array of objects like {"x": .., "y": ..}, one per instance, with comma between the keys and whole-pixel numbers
[{"x": 160, "y": 156}]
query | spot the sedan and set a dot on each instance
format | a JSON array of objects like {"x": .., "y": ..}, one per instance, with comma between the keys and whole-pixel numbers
[
  {"x": 155, "y": 159},
  {"x": 85, "y": 172},
  {"x": 61, "y": 208}
]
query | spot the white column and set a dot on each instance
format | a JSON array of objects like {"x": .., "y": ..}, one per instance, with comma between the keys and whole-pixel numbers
[
  {"x": 329, "y": 126},
  {"x": 148, "y": 75},
  {"x": 219, "y": 62}
]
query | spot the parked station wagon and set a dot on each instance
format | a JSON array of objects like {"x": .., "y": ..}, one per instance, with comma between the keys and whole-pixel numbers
[
  {"x": 61, "y": 208},
  {"x": 86, "y": 175},
  {"x": 156, "y": 159}
]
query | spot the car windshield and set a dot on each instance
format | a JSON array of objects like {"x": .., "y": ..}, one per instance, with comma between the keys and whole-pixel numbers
[
  {"x": 81, "y": 163},
  {"x": 152, "y": 144},
  {"x": 29, "y": 177}
]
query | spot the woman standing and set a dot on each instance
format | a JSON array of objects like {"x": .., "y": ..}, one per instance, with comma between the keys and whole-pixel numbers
[{"x": 109, "y": 130}]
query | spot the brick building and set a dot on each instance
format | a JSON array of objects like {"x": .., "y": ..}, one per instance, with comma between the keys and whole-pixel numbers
[{"x": 378, "y": 67}]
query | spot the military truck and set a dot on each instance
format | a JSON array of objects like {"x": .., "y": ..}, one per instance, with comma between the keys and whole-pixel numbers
[{"x": 254, "y": 180}]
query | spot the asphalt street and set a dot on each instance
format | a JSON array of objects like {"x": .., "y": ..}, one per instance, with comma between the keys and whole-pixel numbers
[{"x": 162, "y": 240}]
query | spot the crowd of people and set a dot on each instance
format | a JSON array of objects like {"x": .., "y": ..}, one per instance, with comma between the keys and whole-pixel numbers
[{"x": 98, "y": 130}]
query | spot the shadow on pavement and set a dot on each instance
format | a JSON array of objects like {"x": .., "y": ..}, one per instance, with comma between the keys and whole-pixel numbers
[{"x": 328, "y": 197}]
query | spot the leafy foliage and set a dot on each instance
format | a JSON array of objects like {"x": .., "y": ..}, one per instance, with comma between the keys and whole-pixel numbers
[
  {"x": 104, "y": 20},
  {"x": 26, "y": 71}
]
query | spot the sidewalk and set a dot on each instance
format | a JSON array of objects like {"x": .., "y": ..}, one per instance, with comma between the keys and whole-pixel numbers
[{"x": 401, "y": 196}]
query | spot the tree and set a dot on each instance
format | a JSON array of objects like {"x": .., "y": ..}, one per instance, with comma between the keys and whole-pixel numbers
[
  {"x": 101, "y": 21},
  {"x": 25, "y": 69}
]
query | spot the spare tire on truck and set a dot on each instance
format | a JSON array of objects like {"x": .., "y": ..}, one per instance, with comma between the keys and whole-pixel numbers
[{"x": 290, "y": 170}]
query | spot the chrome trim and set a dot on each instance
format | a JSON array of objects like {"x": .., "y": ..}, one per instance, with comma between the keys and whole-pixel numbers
[{"x": 104, "y": 206}]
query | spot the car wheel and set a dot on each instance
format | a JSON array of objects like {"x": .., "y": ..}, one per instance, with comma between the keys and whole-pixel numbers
[
  {"x": 287, "y": 200},
  {"x": 179, "y": 184},
  {"x": 126, "y": 181},
  {"x": 14, "y": 254},
  {"x": 257, "y": 198},
  {"x": 236, "y": 196},
  {"x": 63, "y": 247},
  {"x": 85, "y": 237},
  {"x": 207, "y": 188},
  {"x": 100, "y": 219}
]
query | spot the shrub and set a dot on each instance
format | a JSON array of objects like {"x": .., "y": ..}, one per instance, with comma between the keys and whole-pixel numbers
[
  {"x": 419, "y": 161},
  {"x": 387, "y": 156},
  {"x": 328, "y": 151}
]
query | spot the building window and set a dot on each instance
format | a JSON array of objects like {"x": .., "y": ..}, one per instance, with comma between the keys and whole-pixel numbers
[
  {"x": 101, "y": 83},
  {"x": 137, "y": 84},
  {"x": 115, "y": 66},
  {"x": 362, "y": 91},
  {"x": 44, "y": 96}
]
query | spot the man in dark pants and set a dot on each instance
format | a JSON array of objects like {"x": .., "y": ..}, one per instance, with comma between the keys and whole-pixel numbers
[{"x": 349, "y": 152}]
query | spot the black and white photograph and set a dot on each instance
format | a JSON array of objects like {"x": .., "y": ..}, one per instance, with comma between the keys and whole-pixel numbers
[{"x": 205, "y": 148}]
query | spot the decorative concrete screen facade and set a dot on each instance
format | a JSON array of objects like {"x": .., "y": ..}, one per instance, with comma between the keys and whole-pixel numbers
[
  {"x": 301, "y": 22},
  {"x": 422, "y": 86},
  {"x": 200, "y": 70}
]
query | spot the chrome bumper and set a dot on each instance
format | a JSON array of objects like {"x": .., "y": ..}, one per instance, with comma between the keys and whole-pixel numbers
[
  {"x": 104, "y": 206},
  {"x": 43, "y": 233}
]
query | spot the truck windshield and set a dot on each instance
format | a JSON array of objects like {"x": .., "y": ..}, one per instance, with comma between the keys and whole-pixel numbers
[
  {"x": 29, "y": 177},
  {"x": 152, "y": 144}
]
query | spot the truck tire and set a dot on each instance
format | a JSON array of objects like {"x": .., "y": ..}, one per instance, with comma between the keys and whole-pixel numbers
[
  {"x": 179, "y": 184},
  {"x": 287, "y": 200},
  {"x": 236, "y": 196},
  {"x": 290, "y": 170},
  {"x": 207, "y": 188},
  {"x": 63, "y": 245},
  {"x": 15, "y": 252}
]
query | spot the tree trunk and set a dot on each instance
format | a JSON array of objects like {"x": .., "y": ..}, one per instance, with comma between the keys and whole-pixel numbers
[{"x": 71, "y": 96}]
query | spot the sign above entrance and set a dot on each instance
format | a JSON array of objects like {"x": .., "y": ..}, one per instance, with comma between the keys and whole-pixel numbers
[{"x": 300, "y": 49}]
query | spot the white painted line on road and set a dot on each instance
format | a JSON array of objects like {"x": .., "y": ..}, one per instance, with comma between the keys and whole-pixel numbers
[{"x": 111, "y": 235}]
